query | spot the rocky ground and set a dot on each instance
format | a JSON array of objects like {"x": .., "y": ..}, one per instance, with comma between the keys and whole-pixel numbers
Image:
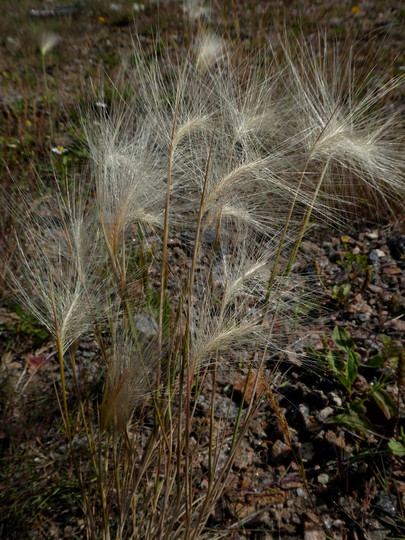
[{"x": 339, "y": 468}]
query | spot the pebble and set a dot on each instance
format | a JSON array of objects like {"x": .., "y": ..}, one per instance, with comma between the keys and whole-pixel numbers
[
  {"x": 323, "y": 478},
  {"x": 373, "y": 257},
  {"x": 392, "y": 270},
  {"x": 396, "y": 245},
  {"x": 280, "y": 451},
  {"x": 362, "y": 317},
  {"x": 304, "y": 410},
  {"x": 335, "y": 399},
  {"x": 307, "y": 451},
  {"x": 225, "y": 408},
  {"x": 311, "y": 533},
  {"x": 386, "y": 503},
  {"x": 322, "y": 415},
  {"x": 398, "y": 325},
  {"x": 372, "y": 235},
  {"x": 146, "y": 325}
]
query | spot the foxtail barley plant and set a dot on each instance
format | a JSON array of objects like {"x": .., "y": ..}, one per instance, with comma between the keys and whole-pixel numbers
[{"x": 182, "y": 257}]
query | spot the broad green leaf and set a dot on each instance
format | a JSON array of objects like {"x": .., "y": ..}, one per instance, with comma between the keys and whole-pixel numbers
[
  {"x": 346, "y": 288},
  {"x": 342, "y": 339},
  {"x": 341, "y": 292},
  {"x": 352, "y": 367},
  {"x": 352, "y": 421},
  {"x": 376, "y": 361},
  {"x": 385, "y": 402},
  {"x": 342, "y": 379},
  {"x": 335, "y": 361},
  {"x": 396, "y": 447}
]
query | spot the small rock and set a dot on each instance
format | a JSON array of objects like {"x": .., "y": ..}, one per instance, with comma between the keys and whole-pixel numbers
[
  {"x": 280, "y": 451},
  {"x": 398, "y": 325},
  {"x": 375, "y": 289},
  {"x": 307, "y": 451},
  {"x": 386, "y": 503},
  {"x": 202, "y": 403},
  {"x": 312, "y": 532},
  {"x": 244, "y": 457},
  {"x": 392, "y": 270},
  {"x": 362, "y": 317},
  {"x": 224, "y": 407},
  {"x": 295, "y": 519},
  {"x": 373, "y": 257},
  {"x": 377, "y": 531},
  {"x": 323, "y": 478},
  {"x": 208, "y": 237},
  {"x": 372, "y": 235},
  {"x": 336, "y": 440},
  {"x": 322, "y": 415},
  {"x": 239, "y": 388},
  {"x": 54, "y": 11},
  {"x": 304, "y": 410},
  {"x": 335, "y": 399},
  {"x": 396, "y": 245},
  {"x": 204, "y": 484},
  {"x": 222, "y": 458},
  {"x": 146, "y": 325}
]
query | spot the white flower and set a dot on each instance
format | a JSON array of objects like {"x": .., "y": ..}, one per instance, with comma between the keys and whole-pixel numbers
[{"x": 59, "y": 150}]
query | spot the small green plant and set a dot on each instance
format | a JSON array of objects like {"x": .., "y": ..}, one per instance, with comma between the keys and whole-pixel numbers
[
  {"x": 341, "y": 292},
  {"x": 356, "y": 263},
  {"x": 397, "y": 447},
  {"x": 27, "y": 325},
  {"x": 344, "y": 363},
  {"x": 357, "y": 266}
]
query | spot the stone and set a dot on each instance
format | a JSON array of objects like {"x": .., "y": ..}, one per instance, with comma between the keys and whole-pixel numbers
[{"x": 280, "y": 451}]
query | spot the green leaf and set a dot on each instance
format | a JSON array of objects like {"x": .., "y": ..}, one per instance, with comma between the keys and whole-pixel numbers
[
  {"x": 385, "y": 402},
  {"x": 342, "y": 379},
  {"x": 342, "y": 339},
  {"x": 376, "y": 361},
  {"x": 396, "y": 447},
  {"x": 357, "y": 407},
  {"x": 335, "y": 361},
  {"x": 341, "y": 292},
  {"x": 391, "y": 349},
  {"x": 352, "y": 367},
  {"x": 352, "y": 421}
]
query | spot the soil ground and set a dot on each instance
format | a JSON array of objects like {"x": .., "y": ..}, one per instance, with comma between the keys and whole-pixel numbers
[{"x": 354, "y": 484}]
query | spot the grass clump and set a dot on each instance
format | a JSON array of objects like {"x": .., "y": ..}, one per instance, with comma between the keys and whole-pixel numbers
[{"x": 230, "y": 163}]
